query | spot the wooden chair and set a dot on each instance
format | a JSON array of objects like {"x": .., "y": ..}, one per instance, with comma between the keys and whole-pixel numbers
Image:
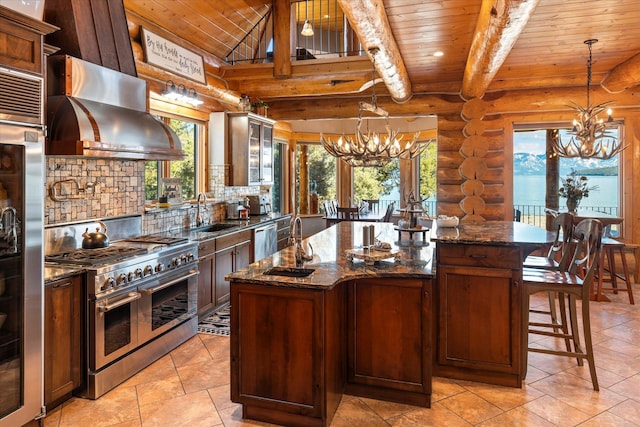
[
  {"x": 557, "y": 258},
  {"x": 517, "y": 215},
  {"x": 389, "y": 213},
  {"x": 374, "y": 204},
  {"x": 608, "y": 262},
  {"x": 348, "y": 214},
  {"x": 571, "y": 284},
  {"x": 558, "y": 253}
]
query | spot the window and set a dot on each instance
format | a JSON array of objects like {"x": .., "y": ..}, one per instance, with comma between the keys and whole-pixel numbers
[
  {"x": 427, "y": 175},
  {"x": 315, "y": 170},
  {"x": 189, "y": 134},
  {"x": 530, "y": 166},
  {"x": 377, "y": 183}
]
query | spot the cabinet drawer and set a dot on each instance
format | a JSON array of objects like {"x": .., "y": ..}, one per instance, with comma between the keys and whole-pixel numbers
[
  {"x": 283, "y": 223},
  {"x": 207, "y": 247},
  {"x": 480, "y": 255},
  {"x": 232, "y": 239},
  {"x": 283, "y": 234}
]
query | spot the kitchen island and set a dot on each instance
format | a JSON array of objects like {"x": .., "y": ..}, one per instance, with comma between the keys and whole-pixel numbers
[{"x": 299, "y": 343}]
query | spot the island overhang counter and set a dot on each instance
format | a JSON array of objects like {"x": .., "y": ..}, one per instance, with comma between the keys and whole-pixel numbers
[{"x": 299, "y": 343}]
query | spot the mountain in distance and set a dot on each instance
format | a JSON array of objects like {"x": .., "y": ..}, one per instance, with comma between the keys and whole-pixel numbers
[{"x": 535, "y": 164}]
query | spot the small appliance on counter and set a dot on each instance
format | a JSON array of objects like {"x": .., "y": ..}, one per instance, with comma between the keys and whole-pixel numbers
[
  {"x": 236, "y": 209},
  {"x": 260, "y": 205}
]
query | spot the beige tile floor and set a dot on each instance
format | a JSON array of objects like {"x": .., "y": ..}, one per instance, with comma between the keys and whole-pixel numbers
[{"x": 190, "y": 387}]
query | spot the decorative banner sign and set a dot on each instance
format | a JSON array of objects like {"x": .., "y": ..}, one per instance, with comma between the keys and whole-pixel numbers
[{"x": 165, "y": 54}]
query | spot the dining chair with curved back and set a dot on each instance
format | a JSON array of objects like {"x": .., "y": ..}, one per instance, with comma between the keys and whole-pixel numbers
[
  {"x": 388, "y": 213},
  {"x": 572, "y": 282},
  {"x": 348, "y": 214}
]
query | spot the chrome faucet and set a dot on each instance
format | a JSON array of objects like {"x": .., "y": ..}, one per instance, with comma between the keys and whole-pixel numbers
[
  {"x": 199, "y": 220},
  {"x": 295, "y": 239}
]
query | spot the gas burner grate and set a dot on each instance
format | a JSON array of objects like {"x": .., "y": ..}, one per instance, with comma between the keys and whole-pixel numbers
[
  {"x": 96, "y": 256},
  {"x": 158, "y": 240}
]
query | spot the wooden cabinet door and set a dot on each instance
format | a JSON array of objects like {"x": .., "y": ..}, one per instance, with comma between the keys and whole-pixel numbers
[
  {"x": 62, "y": 339},
  {"x": 224, "y": 265},
  {"x": 479, "y": 322},
  {"x": 389, "y": 339},
  {"x": 206, "y": 283},
  {"x": 277, "y": 353}
]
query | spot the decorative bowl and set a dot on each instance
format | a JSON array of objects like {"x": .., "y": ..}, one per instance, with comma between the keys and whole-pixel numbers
[{"x": 447, "y": 222}]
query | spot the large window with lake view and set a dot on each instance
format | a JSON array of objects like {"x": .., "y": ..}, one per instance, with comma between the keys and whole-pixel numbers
[{"x": 530, "y": 192}]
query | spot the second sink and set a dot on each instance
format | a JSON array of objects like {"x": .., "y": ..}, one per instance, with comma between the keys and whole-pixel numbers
[{"x": 214, "y": 227}]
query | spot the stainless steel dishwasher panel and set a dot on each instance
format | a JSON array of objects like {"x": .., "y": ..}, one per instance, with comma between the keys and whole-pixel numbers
[{"x": 265, "y": 241}]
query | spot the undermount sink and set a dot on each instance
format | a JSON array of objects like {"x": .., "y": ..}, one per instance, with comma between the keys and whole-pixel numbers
[
  {"x": 214, "y": 227},
  {"x": 289, "y": 271}
]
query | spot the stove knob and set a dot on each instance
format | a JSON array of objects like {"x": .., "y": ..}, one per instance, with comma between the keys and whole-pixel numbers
[
  {"x": 121, "y": 279},
  {"x": 110, "y": 283},
  {"x": 138, "y": 272},
  {"x": 159, "y": 268},
  {"x": 183, "y": 259},
  {"x": 148, "y": 270},
  {"x": 130, "y": 276},
  {"x": 190, "y": 256},
  {"x": 175, "y": 262}
]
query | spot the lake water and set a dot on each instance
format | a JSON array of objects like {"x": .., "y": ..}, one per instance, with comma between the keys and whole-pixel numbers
[{"x": 530, "y": 190}]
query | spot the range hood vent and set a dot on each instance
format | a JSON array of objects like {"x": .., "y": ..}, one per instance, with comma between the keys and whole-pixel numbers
[{"x": 98, "y": 112}]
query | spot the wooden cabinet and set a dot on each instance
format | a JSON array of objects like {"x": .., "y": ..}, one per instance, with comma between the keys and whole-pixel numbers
[
  {"x": 389, "y": 339},
  {"x": 207, "y": 277},
  {"x": 21, "y": 41},
  {"x": 233, "y": 251},
  {"x": 63, "y": 343},
  {"x": 249, "y": 145},
  {"x": 478, "y": 330},
  {"x": 283, "y": 225},
  {"x": 287, "y": 353}
]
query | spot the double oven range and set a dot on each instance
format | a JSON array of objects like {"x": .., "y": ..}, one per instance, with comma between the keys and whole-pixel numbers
[{"x": 141, "y": 296}]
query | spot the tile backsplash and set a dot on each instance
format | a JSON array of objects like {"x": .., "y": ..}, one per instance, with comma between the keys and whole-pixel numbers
[
  {"x": 119, "y": 191},
  {"x": 119, "y": 188}
]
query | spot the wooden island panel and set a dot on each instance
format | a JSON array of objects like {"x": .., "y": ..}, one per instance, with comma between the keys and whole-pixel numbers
[
  {"x": 389, "y": 340},
  {"x": 287, "y": 353}
]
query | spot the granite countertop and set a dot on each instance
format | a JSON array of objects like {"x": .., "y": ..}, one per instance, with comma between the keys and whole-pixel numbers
[
  {"x": 53, "y": 272},
  {"x": 234, "y": 225},
  {"x": 330, "y": 262},
  {"x": 494, "y": 233}
]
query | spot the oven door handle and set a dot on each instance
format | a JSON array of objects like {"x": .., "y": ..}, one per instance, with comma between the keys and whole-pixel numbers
[
  {"x": 133, "y": 296},
  {"x": 150, "y": 291}
]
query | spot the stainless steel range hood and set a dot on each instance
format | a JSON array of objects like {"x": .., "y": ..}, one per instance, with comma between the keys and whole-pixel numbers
[{"x": 98, "y": 112}]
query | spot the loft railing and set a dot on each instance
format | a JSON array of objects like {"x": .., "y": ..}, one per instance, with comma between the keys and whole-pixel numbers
[{"x": 332, "y": 35}]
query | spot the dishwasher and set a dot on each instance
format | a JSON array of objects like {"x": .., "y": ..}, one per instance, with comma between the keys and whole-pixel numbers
[{"x": 265, "y": 241}]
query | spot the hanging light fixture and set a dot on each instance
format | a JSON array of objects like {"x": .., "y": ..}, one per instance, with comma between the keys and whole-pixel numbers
[
  {"x": 370, "y": 148},
  {"x": 591, "y": 136},
  {"x": 307, "y": 29}
]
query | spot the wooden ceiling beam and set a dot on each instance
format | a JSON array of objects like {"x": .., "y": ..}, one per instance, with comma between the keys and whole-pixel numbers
[
  {"x": 623, "y": 76},
  {"x": 499, "y": 25},
  {"x": 369, "y": 20}
]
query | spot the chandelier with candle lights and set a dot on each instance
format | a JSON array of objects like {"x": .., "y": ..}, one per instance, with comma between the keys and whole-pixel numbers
[
  {"x": 591, "y": 136},
  {"x": 370, "y": 148}
]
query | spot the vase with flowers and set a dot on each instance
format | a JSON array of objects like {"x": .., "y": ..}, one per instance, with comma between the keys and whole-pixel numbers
[{"x": 574, "y": 188}]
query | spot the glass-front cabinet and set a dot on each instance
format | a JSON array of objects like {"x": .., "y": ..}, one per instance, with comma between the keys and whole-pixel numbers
[{"x": 249, "y": 149}]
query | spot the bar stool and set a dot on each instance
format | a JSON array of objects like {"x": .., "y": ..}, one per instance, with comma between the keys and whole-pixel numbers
[
  {"x": 571, "y": 284},
  {"x": 557, "y": 258},
  {"x": 609, "y": 248}
]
